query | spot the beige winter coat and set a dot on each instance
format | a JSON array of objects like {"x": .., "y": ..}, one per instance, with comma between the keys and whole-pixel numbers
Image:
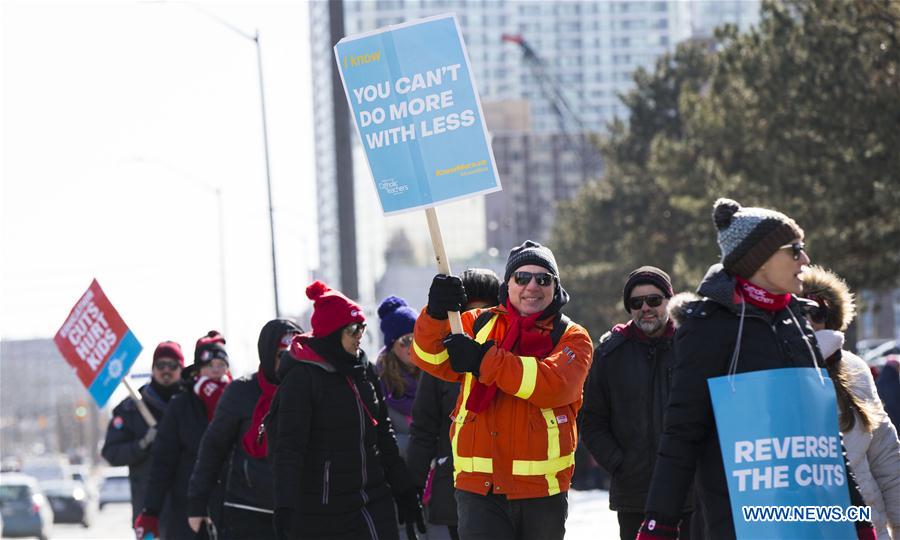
[{"x": 874, "y": 456}]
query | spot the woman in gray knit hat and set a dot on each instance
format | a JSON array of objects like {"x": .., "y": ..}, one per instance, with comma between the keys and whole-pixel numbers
[{"x": 749, "y": 320}]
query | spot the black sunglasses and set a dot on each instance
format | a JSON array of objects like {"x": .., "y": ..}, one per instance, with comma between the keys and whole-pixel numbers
[
  {"x": 796, "y": 249},
  {"x": 405, "y": 341},
  {"x": 653, "y": 300},
  {"x": 355, "y": 329},
  {"x": 166, "y": 364},
  {"x": 543, "y": 279}
]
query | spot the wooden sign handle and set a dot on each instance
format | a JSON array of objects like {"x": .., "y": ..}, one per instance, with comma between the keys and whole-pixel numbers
[
  {"x": 443, "y": 265},
  {"x": 142, "y": 407}
]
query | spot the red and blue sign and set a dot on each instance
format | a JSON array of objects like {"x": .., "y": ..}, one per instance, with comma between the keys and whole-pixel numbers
[{"x": 97, "y": 343}]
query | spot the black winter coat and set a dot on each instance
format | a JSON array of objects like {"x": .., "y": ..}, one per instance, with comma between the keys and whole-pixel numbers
[
  {"x": 430, "y": 440},
  {"x": 174, "y": 454},
  {"x": 122, "y": 445},
  {"x": 249, "y": 480},
  {"x": 704, "y": 344},
  {"x": 333, "y": 467},
  {"x": 622, "y": 417}
]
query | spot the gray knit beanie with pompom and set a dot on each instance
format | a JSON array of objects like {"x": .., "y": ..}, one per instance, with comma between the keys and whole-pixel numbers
[{"x": 748, "y": 236}]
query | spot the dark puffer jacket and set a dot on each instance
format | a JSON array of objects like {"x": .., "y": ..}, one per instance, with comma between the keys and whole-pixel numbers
[
  {"x": 333, "y": 467},
  {"x": 430, "y": 440},
  {"x": 122, "y": 445},
  {"x": 174, "y": 453},
  {"x": 249, "y": 484},
  {"x": 704, "y": 344},
  {"x": 622, "y": 416}
]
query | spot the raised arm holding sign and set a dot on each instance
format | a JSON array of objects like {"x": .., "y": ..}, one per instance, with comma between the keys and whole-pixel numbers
[{"x": 419, "y": 119}]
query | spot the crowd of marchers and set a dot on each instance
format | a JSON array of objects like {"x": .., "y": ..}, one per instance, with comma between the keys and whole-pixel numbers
[{"x": 475, "y": 432}]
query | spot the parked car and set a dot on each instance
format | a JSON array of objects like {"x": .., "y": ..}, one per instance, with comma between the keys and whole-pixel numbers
[
  {"x": 47, "y": 468},
  {"x": 70, "y": 501},
  {"x": 25, "y": 510},
  {"x": 115, "y": 487},
  {"x": 876, "y": 356}
]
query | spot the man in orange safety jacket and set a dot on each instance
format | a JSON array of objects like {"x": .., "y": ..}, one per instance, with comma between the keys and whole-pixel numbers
[{"x": 513, "y": 431}]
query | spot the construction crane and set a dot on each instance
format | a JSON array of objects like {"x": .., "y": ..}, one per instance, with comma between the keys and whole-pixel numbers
[{"x": 567, "y": 117}]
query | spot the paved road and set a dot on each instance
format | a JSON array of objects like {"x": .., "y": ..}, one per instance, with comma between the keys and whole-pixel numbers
[
  {"x": 589, "y": 519},
  {"x": 111, "y": 523}
]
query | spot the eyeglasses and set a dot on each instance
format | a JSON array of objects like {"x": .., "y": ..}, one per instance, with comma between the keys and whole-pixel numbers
[
  {"x": 405, "y": 341},
  {"x": 796, "y": 247},
  {"x": 171, "y": 365},
  {"x": 652, "y": 300},
  {"x": 543, "y": 279},
  {"x": 355, "y": 329}
]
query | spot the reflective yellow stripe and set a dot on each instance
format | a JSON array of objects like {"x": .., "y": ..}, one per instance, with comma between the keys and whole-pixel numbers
[
  {"x": 543, "y": 468},
  {"x": 458, "y": 423},
  {"x": 486, "y": 330},
  {"x": 436, "y": 359},
  {"x": 552, "y": 434},
  {"x": 473, "y": 464},
  {"x": 553, "y": 464},
  {"x": 469, "y": 464},
  {"x": 529, "y": 377}
]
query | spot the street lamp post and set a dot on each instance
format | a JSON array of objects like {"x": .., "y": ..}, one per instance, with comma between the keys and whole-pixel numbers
[{"x": 265, "y": 131}]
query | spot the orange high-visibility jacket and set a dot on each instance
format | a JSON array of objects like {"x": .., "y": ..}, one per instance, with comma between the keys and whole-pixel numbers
[{"x": 523, "y": 444}]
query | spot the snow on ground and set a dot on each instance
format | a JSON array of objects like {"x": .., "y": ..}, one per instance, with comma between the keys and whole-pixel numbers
[{"x": 590, "y": 517}]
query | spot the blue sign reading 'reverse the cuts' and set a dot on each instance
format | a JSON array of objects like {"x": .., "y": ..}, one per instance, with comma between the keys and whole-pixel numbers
[
  {"x": 778, "y": 431},
  {"x": 418, "y": 115}
]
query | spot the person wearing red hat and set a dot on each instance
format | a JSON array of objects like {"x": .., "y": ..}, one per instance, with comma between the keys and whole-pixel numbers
[
  {"x": 129, "y": 439},
  {"x": 178, "y": 441},
  {"x": 335, "y": 460}
]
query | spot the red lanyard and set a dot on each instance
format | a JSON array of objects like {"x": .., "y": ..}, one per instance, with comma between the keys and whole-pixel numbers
[{"x": 359, "y": 399}]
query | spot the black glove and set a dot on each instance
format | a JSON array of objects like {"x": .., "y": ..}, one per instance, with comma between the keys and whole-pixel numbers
[
  {"x": 465, "y": 353},
  {"x": 446, "y": 294},
  {"x": 658, "y": 529},
  {"x": 281, "y": 521},
  {"x": 409, "y": 511}
]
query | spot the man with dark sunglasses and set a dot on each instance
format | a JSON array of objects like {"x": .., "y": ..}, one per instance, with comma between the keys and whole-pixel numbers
[
  {"x": 129, "y": 439},
  {"x": 626, "y": 394},
  {"x": 521, "y": 368}
]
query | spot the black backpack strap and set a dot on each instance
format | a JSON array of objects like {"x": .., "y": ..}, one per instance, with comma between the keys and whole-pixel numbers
[
  {"x": 560, "y": 325},
  {"x": 481, "y": 320}
]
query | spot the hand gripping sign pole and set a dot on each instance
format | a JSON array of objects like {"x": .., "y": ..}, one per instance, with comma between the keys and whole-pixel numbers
[
  {"x": 419, "y": 119},
  {"x": 437, "y": 241}
]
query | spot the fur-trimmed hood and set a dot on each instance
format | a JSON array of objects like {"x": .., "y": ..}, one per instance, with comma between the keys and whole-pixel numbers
[
  {"x": 823, "y": 284},
  {"x": 678, "y": 304}
]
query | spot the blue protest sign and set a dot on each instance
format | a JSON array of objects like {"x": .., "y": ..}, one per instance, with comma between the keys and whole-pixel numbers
[
  {"x": 778, "y": 432},
  {"x": 417, "y": 112}
]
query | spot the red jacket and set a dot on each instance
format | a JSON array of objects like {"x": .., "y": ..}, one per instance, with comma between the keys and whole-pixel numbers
[{"x": 523, "y": 444}]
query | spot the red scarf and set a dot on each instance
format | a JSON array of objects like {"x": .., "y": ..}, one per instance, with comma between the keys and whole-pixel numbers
[
  {"x": 759, "y": 297},
  {"x": 522, "y": 338},
  {"x": 255, "y": 443}
]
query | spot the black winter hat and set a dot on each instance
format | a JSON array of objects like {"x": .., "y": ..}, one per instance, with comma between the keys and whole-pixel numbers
[
  {"x": 530, "y": 252},
  {"x": 650, "y": 275},
  {"x": 482, "y": 285},
  {"x": 270, "y": 339},
  {"x": 208, "y": 348}
]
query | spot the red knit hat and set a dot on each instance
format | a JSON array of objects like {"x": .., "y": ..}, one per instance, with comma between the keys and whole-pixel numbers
[
  {"x": 331, "y": 309},
  {"x": 169, "y": 349}
]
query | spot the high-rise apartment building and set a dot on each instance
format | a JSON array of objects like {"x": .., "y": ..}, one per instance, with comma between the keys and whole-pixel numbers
[{"x": 591, "y": 48}]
